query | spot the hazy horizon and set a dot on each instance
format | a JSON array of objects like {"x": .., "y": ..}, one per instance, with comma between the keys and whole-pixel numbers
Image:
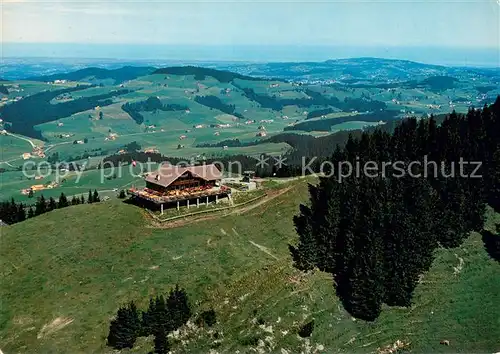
[
  {"x": 463, "y": 33},
  {"x": 483, "y": 57}
]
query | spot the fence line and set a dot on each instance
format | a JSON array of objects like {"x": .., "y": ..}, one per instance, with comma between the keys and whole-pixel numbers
[{"x": 204, "y": 211}]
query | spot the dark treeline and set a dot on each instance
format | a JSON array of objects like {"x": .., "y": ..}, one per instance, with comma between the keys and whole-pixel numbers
[
  {"x": 271, "y": 102},
  {"x": 315, "y": 99},
  {"x": 200, "y": 73},
  {"x": 119, "y": 75},
  {"x": 12, "y": 212},
  {"x": 215, "y": 103},
  {"x": 433, "y": 83},
  {"x": 138, "y": 156},
  {"x": 328, "y": 123},
  {"x": 163, "y": 316},
  {"x": 376, "y": 235},
  {"x": 37, "y": 109},
  {"x": 149, "y": 105},
  {"x": 228, "y": 142},
  {"x": 350, "y": 104},
  {"x": 319, "y": 113},
  {"x": 4, "y": 90},
  {"x": 234, "y": 164}
]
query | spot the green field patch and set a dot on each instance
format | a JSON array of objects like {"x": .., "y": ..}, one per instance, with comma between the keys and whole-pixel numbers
[
  {"x": 12, "y": 148},
  {"x": 353, "y": 125}
]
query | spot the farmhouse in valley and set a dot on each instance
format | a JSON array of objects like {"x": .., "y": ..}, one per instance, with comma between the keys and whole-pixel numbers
[{"x": 176, "y": 184}]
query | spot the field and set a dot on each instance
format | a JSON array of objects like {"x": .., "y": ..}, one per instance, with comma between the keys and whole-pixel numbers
[
  {"x": 61, "y": 289},
  {"x": 11, "y": 148}
]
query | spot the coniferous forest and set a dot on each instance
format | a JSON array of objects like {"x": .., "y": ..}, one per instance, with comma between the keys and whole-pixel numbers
[
  {"x": 376, "y": 235},
  {"x": 12, "y": 212}
]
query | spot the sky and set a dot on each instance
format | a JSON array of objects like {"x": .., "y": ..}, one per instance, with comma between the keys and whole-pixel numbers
[{"x": 471, "y": 25}]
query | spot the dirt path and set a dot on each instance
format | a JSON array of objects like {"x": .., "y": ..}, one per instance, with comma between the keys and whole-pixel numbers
[
  {"x": 215, "y": 215},
  {"x": 22, "y": 138}
]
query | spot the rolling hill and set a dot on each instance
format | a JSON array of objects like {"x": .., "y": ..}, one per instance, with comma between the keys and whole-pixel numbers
[
  {"x": 92, "y": 74},
  {"x": 61, "y": 289}
]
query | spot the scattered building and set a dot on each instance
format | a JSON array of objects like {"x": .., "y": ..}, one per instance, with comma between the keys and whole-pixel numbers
[
  {"x": 151, "y": 150},
  {"x": 111, "y": 136},
  {"x": 52, "y": 185},
  {"x": 262, "y": 134},
  {"x": 26, "y": 156}
]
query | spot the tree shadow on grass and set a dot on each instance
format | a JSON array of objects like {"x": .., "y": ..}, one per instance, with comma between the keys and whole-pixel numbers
[{"x": 491, "y": 244}]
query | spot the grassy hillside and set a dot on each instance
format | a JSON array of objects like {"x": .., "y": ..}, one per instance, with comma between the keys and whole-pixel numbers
[
  {"x": 62, "y": 285},
  {"x": 117, "y": 76}
]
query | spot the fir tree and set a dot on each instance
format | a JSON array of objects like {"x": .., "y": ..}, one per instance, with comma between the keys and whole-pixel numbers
[
  {"x": 21, "y": 213},
  {"x": 90, "y": 198},
  {"x": 52, "y": 204},
  {"x": 82, "y": 199},
  {"x": 75, "y": 201},
  {"x": 40, "y": 206},
  {"x": 178, "y": 308},
  {"x": 63, "y": 201},
  {"x": 148, "y": 318},
  {"x": 95, "y": 197},
  {"x": 162, "y": 346},
  {"x": 125, "y": 328},
  {"x": 31, "y": 213}
]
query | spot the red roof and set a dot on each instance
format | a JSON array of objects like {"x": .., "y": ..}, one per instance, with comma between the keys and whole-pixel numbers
[{"x": 167, "y": 174}]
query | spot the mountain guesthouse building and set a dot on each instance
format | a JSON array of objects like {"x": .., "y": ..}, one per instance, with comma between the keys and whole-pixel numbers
[{"x": 181, "y": 184}]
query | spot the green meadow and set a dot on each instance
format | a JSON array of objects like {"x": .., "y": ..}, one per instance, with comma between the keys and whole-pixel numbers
[{"x": 61, "y": 289}]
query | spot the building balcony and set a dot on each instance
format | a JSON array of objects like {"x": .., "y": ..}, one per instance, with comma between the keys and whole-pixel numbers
[{"x": 177, "y": 195}]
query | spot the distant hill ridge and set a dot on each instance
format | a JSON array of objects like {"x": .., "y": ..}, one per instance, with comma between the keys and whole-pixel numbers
[
  {"x": 119, "y": 75},
  {"x": 200, "y": 73},
  {"x": 132, "y": 72}
]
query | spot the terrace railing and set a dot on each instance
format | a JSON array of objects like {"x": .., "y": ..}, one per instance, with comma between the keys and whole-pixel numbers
[{"x": 141, "y": 193}]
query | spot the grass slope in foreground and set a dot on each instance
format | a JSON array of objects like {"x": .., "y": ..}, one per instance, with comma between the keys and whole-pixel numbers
[{"x": 65, "y": 274}]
